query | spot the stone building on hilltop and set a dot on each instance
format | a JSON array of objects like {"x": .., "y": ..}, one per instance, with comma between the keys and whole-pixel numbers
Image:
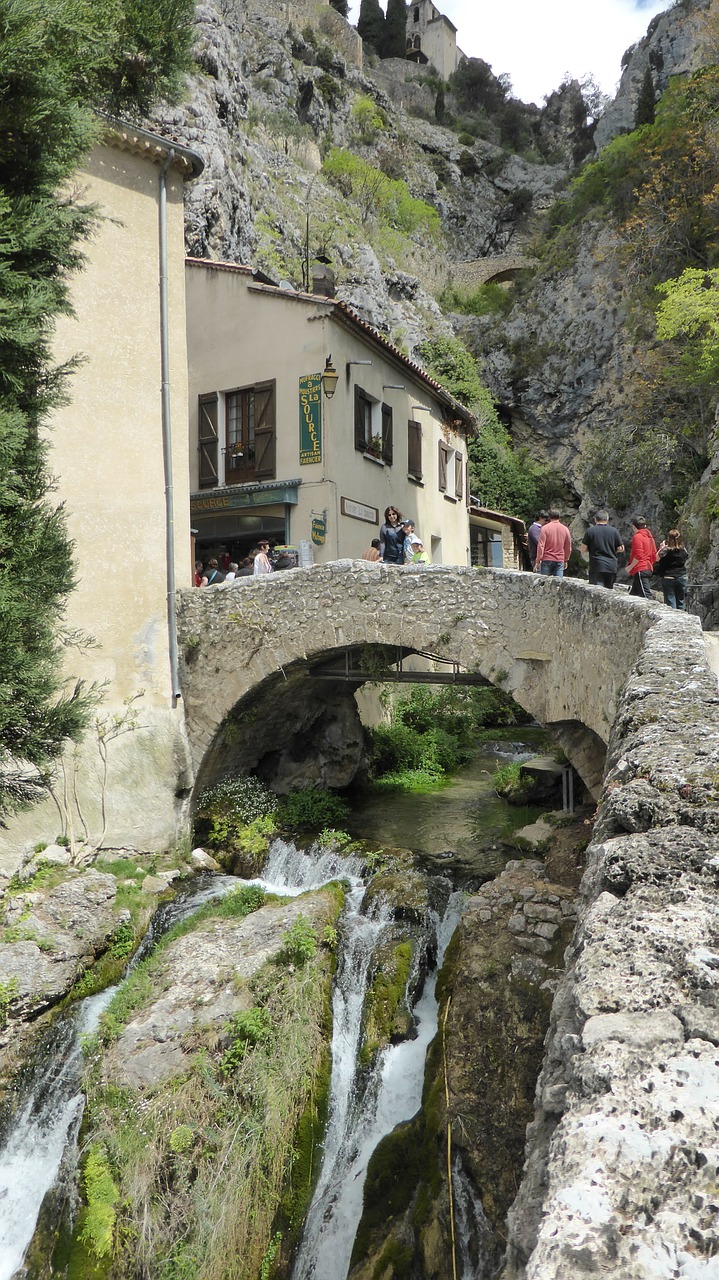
[{"x": 431, "y": 37}]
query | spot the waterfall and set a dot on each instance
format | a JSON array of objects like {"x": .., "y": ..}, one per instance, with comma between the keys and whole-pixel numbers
[
  {"x": 291, "y": 871},
  {"x": 473, "y": 1233},
  {"x": 32, "y": 1152},
  {"x": 360, "y": 1117}
]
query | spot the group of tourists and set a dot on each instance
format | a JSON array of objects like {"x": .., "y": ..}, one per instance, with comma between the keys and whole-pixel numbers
[
  {"x": 550, "y": 546},
  {"x": 398, "y": 542},
  {"x": 261, "y": 560}
]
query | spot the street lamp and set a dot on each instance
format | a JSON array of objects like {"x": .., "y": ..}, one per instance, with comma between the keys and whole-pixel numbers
[{"x": 330, "y": 378}]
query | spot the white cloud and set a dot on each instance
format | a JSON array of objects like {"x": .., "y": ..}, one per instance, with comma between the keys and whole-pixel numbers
[{"x": 538, "y": 43}]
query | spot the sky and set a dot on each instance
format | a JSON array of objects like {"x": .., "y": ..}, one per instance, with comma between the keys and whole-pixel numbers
[{"x": 538, "y": 41}]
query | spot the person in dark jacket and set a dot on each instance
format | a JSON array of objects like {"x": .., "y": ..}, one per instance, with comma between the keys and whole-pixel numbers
[
  {"x": 671, "y": 568},
  {"x": 602, "y": 543},
  {"x": 391, "y": 537}
]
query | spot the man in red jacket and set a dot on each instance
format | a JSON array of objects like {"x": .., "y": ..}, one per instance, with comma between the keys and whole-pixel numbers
[
  {"x": 554, "y": 547},
  {"x": 642, "y": 555}
]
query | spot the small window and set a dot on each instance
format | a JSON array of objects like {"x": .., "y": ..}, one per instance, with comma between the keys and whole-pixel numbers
[
  {"x": 458, "y": 475},
  {"x": 250, "y": 434},
  {"x": 416, "y": 13},
  {"x": 364, "y": 435},
  {"x": 414, "y": 450},
  {"x": 443, "y": 465}
]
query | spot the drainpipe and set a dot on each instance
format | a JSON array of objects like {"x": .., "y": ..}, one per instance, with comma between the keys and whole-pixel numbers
[{"x": 167, "y": 435}]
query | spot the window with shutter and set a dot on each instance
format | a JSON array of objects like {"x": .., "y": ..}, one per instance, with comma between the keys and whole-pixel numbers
[
  {"x": 250, "y": 428},
  {"x": 208, "y": 440},
  {"x": 443, "y": 465},
  {"x": 458, "y": 475},
  {"x": 414, "y": 450},
  {"x": 363, "y": 420},
  {"x": 387, "y": 444}
]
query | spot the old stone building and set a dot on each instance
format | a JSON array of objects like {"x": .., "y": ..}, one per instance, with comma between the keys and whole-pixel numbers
[
  {"x": 273, "y": 455},
  {"x": 431, "y": 37}
]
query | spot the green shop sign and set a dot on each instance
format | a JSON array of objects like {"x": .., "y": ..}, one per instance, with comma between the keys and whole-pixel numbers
[
  {"x": 319, "y": 529},
  {"x": 310, "y": 418}
]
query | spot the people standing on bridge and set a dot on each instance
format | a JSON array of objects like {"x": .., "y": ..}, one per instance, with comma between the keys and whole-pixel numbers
[
  {"x": 603, "y": 543},
  {"x": 642, "y": 555},
  {"x": 391, "y": 537},
  {"x": 212, "y": 577},
  {"x": 410, "y": 540},
  {"x": 373, "y": 552},
  {"x": 199, "y": 573},
  {"x": 262, "y": 560},
  {"x": 232, "y": 571},
  {"x": 533, "y": 535},
  {"x": 554, "y": 547},
  {"x": 671, "y": 568},
  {"x": 419, "y": 555}
]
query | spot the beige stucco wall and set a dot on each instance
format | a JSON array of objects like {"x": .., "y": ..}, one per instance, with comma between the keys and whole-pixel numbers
[
  {"x": 106, "y": 452},
  {"x": 240, "y": 334}
]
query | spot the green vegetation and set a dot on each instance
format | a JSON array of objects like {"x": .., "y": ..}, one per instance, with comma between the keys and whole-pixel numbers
[
  {"x": 485, "y": 300},
  {"x": 432, "y": 732},
  {"x": 368, "y": 119},
  {"x": 210, "y": 1174},
  {"x": 384, "y": 200},
  {"x": 311, "y": 809},
  {"x": 59, "y": 59},
  {"x": 237, "y": 819},
  {"x": 299, "y": 943},
  {"x": 511, "y": 785},
  {"x": 386, "y": 1013},
  {"x": 504, "y": 478}
]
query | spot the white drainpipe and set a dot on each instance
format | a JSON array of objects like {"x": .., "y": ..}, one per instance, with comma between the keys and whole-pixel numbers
[{"x": 167, "y": 436}]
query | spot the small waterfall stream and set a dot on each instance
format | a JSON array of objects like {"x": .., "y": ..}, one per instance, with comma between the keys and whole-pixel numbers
[
  {"x": 363, "y": 1108},
  {"x": 32, "y": 1151}
]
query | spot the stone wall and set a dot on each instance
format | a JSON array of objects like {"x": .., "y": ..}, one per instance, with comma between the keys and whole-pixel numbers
[
  {"x": 315, "y": 13},
  {"x": 622, "y": 1154}
]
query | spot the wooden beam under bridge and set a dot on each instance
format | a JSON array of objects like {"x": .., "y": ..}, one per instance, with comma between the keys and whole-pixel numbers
[{"x": 386, "y": 666}]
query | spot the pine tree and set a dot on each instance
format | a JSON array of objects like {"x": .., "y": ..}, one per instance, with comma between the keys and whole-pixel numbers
[
  {"x": 371, "y": 24},
  {"x": 58, "y": 60},
  {"x": 646, "y": 102},
  {"x": 395, "y": 32},
  {"x": 341, "y": 6}
]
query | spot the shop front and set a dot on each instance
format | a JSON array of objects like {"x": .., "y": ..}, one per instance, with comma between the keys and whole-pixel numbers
[{"x": 229, "y": 523}]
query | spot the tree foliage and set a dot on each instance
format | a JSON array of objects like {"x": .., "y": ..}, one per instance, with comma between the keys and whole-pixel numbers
[
  {"x": 58, "y": 60},
  {"x": 370, "y": 24},
  {"x": 395, "y": 31},
  {"x": 502, "y": 477},
  {"x": 342, "y": 6},
  {"x": 690, "y": 310}
]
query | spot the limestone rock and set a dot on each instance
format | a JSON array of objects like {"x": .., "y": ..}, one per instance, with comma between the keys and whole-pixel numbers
[
  {"x": 201, "y": 983},
  {"x": 57, "y": 932},
  {"x": 203, "y": 861}
]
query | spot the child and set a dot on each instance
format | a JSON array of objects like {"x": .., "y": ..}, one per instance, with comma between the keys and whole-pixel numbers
[{"x": 419, "y": 556}]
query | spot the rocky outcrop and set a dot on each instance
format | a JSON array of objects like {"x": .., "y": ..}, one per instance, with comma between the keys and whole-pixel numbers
[
  {"x": 671, "y": 47},
  {"x": 495, "y": 990}
]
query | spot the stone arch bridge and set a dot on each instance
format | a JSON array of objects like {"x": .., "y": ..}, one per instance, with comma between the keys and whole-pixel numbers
[
  {"x": 563, "y": 650},
  {"x": 622, "y": 1154}
]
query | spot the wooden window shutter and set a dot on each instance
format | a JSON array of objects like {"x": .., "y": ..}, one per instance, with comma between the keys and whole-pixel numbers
[
  {"x": 387, "y": 445},
  {"x": 458, "y": 475},
  {"x": 208, "y": 440},
  {"x": 414, "y": 450},
  {"x": 442, "y": 459},
  {"x": 265, "y": 430},
  {"x": 360, "y": 432}
]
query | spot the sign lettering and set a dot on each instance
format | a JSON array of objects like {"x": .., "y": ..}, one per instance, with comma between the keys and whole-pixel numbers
[{"x": 310, "y": 418}]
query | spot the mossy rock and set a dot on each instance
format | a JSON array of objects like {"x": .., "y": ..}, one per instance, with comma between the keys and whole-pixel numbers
[
  {"x": 410, "y": 896},
  {"x": 388, "y": 1017}
]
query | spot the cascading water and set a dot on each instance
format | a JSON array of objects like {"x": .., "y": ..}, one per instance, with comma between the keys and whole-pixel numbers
[
  {"x": 473, "y": 1238},
  {"x": 360, "y": 1117},
  {"x": 32, "y": 1153}
]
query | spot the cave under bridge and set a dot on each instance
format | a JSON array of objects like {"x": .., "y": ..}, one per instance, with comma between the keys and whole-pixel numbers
[{"x": 270, "y": 666}]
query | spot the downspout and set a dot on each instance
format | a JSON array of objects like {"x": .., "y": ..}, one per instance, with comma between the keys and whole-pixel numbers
[{"x": 167, "y": 436}]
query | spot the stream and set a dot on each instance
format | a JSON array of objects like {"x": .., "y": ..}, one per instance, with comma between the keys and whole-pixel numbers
[{"x": 457, "y": 830}]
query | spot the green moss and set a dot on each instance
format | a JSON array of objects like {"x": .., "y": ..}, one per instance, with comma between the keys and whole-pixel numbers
[
  {"x": 386, "y": 1012},
  {"x": 101, "y": 1195},
  {"x": 393, "y": 1174}
]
